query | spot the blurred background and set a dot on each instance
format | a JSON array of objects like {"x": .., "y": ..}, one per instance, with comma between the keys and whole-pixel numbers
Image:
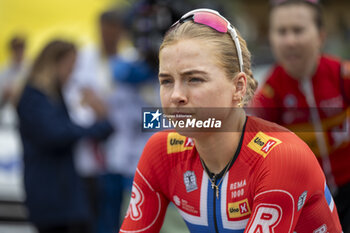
[
  {"x": 37, "y": 22},
  {"x": 40, "y": 21}
]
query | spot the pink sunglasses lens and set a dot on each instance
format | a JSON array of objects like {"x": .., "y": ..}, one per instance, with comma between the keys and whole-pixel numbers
[{"x": 211, "y": 20}]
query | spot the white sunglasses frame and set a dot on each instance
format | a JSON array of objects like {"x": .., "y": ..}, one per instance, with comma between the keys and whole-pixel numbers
[{"x": 232, "y": 31}]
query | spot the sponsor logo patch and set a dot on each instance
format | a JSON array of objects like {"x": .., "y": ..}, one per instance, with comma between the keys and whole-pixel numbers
[
  {"x": 263, "y": 144},
  {"x": 238, "y": 209},
  {"x": 321, "y": 229},
  {"x": 190, "y": 181},
  {"x": 177, "y": 143},
  {"x": 302, "y": 199},
  {"x": 177, "y": 200}
]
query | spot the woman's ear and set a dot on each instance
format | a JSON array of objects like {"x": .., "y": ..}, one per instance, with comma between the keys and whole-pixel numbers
[{"x": 240, "y": 86}]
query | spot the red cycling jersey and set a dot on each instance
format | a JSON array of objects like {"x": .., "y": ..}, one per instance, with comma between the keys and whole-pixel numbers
[
  {"x": 274, "y": 184},
  {"x": 316, "y": 109}
]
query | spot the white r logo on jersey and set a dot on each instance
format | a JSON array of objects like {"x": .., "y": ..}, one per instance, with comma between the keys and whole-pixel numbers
[
  {"x": 321, "y": 229},
  {"x": 266, "y": 218},
  {"x": 135, "y": 203}
]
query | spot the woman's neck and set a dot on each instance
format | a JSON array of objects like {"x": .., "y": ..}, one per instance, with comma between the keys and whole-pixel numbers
[{"x": 217, "y": 149}]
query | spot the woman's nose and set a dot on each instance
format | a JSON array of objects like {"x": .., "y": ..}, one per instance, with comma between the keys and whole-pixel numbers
[{"x": 179, "y": 95}]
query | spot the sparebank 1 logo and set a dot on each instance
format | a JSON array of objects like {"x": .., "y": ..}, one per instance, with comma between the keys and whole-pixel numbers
[{"x": 152, "y": 120}]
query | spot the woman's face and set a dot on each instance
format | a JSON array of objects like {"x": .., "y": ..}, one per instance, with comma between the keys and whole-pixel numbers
[
  {"x": 295, "y": 39},
  {"x": 65, "y": 67},
  {"x": 190, "y": 77}
]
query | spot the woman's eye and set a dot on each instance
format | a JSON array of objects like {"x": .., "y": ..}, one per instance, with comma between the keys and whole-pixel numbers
[
  {"x": 164, "y": 81},
  {"x": 196, "y": 80}
]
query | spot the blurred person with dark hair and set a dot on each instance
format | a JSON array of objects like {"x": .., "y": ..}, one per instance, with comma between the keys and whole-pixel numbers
[
  {"x": 12, "y": 76},
  {"x": 309, "y": 92},
  {"x": 55, "y": 197}
]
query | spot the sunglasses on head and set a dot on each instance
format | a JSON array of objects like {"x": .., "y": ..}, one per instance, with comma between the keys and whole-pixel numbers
[{"x": 216, "y": 21}]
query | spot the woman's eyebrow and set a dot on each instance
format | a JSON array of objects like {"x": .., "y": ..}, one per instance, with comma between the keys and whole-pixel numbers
[
  {"x": 164, "y": 75},
  {"x": 185, "y": 73},
  {"x": 192, "y": 72}
]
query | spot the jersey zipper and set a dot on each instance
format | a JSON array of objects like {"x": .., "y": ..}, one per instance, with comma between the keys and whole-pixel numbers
[{"x": 214, "y": 206}]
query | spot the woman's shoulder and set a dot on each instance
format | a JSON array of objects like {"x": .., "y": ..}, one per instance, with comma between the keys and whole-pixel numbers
[
  {"x": 163, "y": 151},
  {"x": 158, "y": 137},
  {"x": 30, "y": 93},
  {"x": 268, "y": 137},
  {"x": 31, "y": 97},
  {"x": 156, "y": 144},
  {"x": 276, "y": 74},
  {"x": 166, "y": 147},
  {"x": 281, "y": 153},
  {"x": 255, "y": 124}
]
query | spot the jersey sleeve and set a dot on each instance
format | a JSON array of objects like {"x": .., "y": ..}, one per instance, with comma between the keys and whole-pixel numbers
[
  {"x": 148, "y": 204},
  {"x": 288, "y": 180}
]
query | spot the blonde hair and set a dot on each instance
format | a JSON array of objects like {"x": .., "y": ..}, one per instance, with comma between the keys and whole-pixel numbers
[
  {"x": 224, "y": 47},
  {"x": 43, "y": 73}
]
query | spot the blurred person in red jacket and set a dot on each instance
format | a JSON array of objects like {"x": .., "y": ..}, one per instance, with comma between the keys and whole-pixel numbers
[{"x": 309, "y": 93}]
